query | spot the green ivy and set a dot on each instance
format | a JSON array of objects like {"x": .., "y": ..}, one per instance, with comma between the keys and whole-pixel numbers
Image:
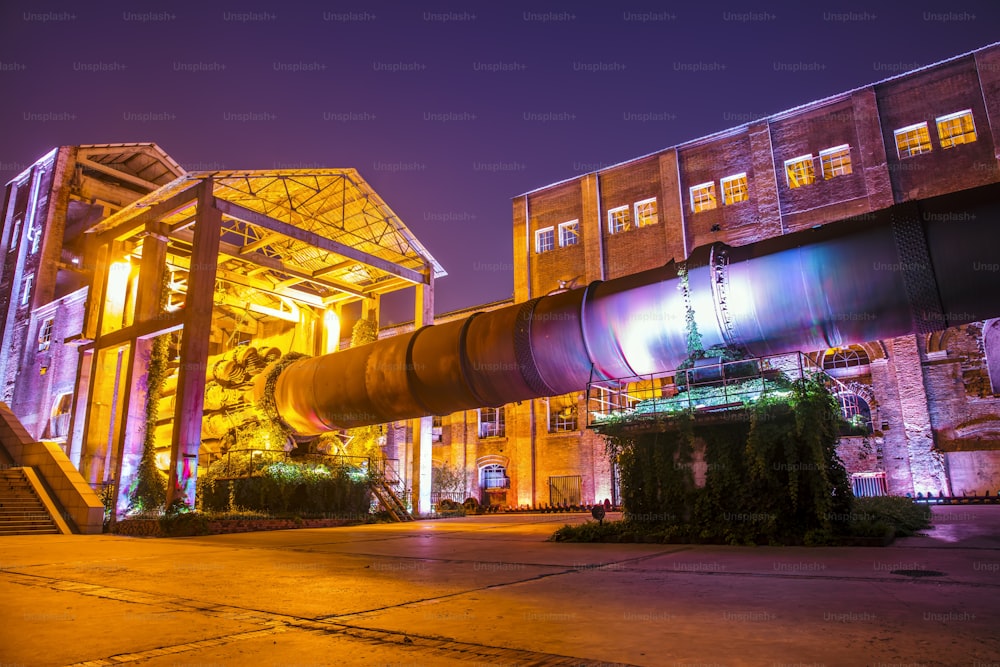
[
  {"x": 771, "y": 471},
  {"x": 148, "y": 489}
]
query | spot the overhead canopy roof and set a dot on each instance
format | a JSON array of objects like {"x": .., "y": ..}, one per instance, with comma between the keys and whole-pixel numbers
[
  {"x": 143, "y": 165},
  {"x": 322, "y": 232}
]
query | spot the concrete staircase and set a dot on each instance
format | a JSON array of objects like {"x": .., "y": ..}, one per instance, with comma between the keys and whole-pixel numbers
[{"x": 21, "y": 511}]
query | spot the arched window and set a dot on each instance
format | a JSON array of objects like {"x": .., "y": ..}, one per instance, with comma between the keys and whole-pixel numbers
[
  {"x": 493, "y": 476},
  {"x": 991, "y": 346},
  {"x": 845, "y": 357},
  {"x": 857, "y": 412}
]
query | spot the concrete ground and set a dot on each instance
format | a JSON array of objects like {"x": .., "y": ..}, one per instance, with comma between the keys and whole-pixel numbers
[{"x": 492, "y": 591}]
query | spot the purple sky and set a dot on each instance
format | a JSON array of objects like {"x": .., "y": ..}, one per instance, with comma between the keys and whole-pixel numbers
[{"x": 448, "y": 110}]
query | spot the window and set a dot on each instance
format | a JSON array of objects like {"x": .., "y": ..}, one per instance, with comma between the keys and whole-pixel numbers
[
  {"x": 799, "y": 171},
  {"x": 437, "y": 429},
  {"x": 494, "y": 476},
  {"x": 645, "y": 213},
  {"x": 26, "y": 290},
  {"x": 562, "y": 414},
  {"x": 865, "y": 484},
  {"x": 956, "y": 128},
  {"x": 618, "y": 220},
  {"x": 844, "y": 358},
  {"x": 60, "y": 416},
  {"x": 492, "y": 423},
  {"x": 835, "y": 161},
  {"x": 45, "y": 335},
  {"x": 912, "y": 140},
  {"x": 565, "y": 490},
  {"x": 15, "y": 235},
  {"x": 569, "y": 233},
  {"x": 703, "y": 197},
  {"x": 545, "y": 240},
  {"x": 734, "y": 189}
]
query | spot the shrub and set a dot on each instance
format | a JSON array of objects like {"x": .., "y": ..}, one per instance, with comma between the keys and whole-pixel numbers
[
  {"x": 901, "y": 514},
  {"x": 276, "y": 487}
]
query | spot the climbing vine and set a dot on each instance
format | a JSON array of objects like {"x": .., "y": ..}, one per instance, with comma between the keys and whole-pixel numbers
[{"x": 771, "y": 473}]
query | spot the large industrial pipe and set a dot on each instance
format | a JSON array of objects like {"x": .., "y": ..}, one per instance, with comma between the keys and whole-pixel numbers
[{"x": 910, "y": 268}]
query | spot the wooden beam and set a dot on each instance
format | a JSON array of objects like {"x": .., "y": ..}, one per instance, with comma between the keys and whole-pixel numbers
[
  {"x": 152, "y": 214},
  {"x": 315, "y": 240},
  {"x": 160, "y": 324},
  {"x": 198, "y": 309},
  {"x": 128, "y": 178}
]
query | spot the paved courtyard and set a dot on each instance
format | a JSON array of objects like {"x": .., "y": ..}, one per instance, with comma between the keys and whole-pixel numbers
[{"x": 492, "y": 591}]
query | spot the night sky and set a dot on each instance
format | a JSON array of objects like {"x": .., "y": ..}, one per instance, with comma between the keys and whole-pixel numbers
[{"x": 447, "y": 109}]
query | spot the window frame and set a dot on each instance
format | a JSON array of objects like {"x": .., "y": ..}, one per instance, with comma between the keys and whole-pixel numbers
[
  {"x": 954, "y": 116},
  {"x": 811, "y": 171},
  {"x": 45, "y": 333},
  {"x": 742, "y": 176},
  {"x": 612, "y": 226},
  {"x": 493, "y": 472},
  {"x": 709, "y": 186},
  {"x": 916, "y": 127},
  {"x": 26, "y": 283},
  {"x": 829, "y": 155},
  {"x": 499, "y": 423},
  {"x": 538, "y": 236},
  {"x": 638, "y": 218},
  {"x": 571, "y": 423},
  {"x": 575, "y": 224}
]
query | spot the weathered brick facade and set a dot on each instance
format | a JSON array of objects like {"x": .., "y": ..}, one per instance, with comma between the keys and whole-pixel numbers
[{"x": 935, "y": 408}]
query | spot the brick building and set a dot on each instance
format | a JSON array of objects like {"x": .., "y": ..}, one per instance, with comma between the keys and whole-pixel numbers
[{"x": 933, "y": 399}]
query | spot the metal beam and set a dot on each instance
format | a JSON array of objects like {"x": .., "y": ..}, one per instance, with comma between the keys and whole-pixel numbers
[{"x": 315, "y": 240}]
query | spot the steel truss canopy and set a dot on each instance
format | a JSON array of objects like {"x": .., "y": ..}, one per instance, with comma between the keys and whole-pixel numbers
[{"x": 318, "y": 236}]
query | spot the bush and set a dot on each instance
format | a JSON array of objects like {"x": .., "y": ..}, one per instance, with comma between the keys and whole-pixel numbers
[
  {"x": 276, "y": 487},
  {"x": 179, "y": 520},
  {"x": 901, "y": 514}
]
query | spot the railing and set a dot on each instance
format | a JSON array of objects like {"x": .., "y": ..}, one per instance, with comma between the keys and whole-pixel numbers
[{"x": 709, "y": 386}]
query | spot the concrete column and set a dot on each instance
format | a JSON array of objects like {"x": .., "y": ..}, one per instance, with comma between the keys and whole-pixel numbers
[
  {"x": 926, "y": 463},
  {"x": 132, "y": 431},
  {"x": 198, "y": 306},
  {"x": 422, "y": 440}
]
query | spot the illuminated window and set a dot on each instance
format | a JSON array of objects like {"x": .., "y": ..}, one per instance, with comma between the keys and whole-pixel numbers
[
  {"x": 618, "y": 220},
  {"x": 545, "y": 240},
  {"x": 26, "y": 290},
  {"x": 835, "y": 161},
  {"x": 912, "y": 140},
  {"x": 866, "y": 484},
  {"x": 734, "y": 189},
  {"x": 562, "y": 414},
  {"x": 45, "y": 335},
  {"x": 494, "y": 476},
  {"x": 15, "y": 235},
  {"x": 845, "y": 358},
  {"x": 492, "y": 423},
  {"x": 800, "y": 171},
  {"x": 703, "y": 197},
  {"x": 569, "y": 233},
  {"x": 645, "y": 213},
  {"x": 956, "y": 128}
]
